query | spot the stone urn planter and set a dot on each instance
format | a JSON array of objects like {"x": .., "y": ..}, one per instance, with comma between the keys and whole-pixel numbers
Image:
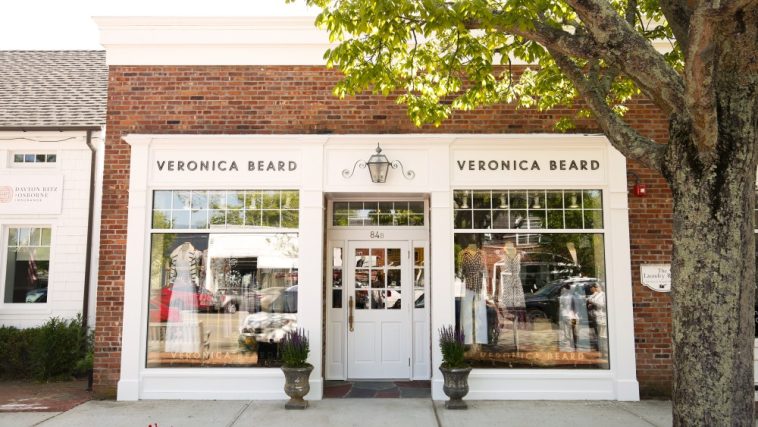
[
  {"x": 455, "y": 386},
  {"x": 297, "y": 385}
]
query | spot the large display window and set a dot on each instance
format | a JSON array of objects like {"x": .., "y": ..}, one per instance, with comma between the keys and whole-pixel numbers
[
  {"x": 223, "y": 277},
  {"x": 530, "y": 278}
]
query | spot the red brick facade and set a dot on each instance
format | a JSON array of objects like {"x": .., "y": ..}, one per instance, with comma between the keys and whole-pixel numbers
[{"x": 298, "y": 100}]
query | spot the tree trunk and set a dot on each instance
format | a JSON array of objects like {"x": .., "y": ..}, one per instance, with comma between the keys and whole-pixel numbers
[{"x": 713, "y": 274}]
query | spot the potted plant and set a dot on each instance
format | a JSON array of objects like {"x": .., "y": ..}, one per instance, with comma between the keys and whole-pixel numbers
[
  {"x": 454, "y": 368},
  {"x": 294, "y": 350}
]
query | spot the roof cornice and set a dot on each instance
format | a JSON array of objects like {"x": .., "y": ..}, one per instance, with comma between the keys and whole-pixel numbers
[{"x": 212, "y": 40}]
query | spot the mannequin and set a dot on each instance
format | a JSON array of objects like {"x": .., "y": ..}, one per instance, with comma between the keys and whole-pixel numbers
[
  {"x": 185, "y": 268},
  {"x": 506, "y": 284},
  {"x": 596, "y": 304},
  {"x": 573, "y": 318},
  {"x": 473, "y": 316}
]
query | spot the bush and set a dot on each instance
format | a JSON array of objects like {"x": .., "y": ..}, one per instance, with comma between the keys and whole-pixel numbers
[
  {"x": 16, "y": 350},
  {"x": 56, "y": 350}
]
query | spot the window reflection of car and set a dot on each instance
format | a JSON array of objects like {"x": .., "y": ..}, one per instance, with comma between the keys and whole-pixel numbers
[
  {"x": 263, "y": 327},
  {"x": 188, "y": 298},
  {"x": 160, "y": 312},
  {"x": 37, "y": 295},
  {"x": 545, "y": 303}
]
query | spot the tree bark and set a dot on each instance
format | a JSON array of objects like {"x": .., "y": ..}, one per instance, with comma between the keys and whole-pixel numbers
[{"x": 713, "y": 270}]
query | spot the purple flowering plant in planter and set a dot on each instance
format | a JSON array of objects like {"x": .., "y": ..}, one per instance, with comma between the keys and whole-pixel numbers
[
  {"x": 452, "y": 347},
  {"x": 454, "y": 368},
  {"x": 294, "y": 349}
]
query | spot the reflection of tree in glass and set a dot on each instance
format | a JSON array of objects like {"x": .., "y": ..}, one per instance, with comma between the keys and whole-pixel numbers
[{"x": 286, "y": 244}]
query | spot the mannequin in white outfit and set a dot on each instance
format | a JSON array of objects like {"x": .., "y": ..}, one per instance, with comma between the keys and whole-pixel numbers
[{"x": 185, "y": 264}]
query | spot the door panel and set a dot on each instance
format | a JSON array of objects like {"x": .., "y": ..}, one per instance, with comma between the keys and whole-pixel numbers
[{"x": 378, "y": 279}]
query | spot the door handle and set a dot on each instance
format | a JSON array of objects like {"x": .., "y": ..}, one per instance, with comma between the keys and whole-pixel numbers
[{"x": 350, "y": 313}]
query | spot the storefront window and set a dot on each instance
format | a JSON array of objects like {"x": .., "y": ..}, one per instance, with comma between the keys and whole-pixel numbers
[
  {"x": 222, "y": 298},
  {"x": 27, "y": 265},
  {"x": 530, "y": 278}
]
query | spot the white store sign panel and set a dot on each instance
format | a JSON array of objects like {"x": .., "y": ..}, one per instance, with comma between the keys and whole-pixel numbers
[
  {"x": 580, "y": 166},
  {"x": 173, "y": 166},
  {"x": 656, "y": 276},
  {"x": 31, "y": 194}
]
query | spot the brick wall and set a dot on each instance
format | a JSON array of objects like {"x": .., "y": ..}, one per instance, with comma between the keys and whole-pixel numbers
[
  {"x": 650, "y": 227},
  {"x": 270, "y": 100}
]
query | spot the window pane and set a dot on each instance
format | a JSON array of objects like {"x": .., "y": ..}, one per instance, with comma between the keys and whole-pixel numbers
[
  {"x": 18, "y": 158},
  {"x": 29, "y": 158},
  {"x": 271, "y": 200},
  {"x": 336, "y": 298},
  {"x": 27, "y": 265},
  {"x": 221, "y": 300},
  {"x": 199, "y": 219},
  {"x": 290, "y": 219},
  {"x": 180, "y": 219},
  {"x": 271, "y": 219},
  {"x": 51, "y": 158},
  {"x": 199, "y": 200},
  {"x": 40, "y": 158},
  {"x": 235, "y": 199},
  {"x": 542, "y": 305},
  {"x": 217, "y": 217},
  {"x": 162, "y": 200},
  {"x": 217, "y": 199}
]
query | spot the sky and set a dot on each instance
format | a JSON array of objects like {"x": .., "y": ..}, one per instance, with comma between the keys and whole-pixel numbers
[{"x": 61, "y": 24}]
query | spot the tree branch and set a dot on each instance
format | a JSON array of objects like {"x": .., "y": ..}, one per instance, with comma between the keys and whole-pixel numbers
[
  {"x": 701, "y": 96},
  {"x": 632, "y": 54},
  {"x": 677, "y": 13},
  {"x": 622, "y": 136}
]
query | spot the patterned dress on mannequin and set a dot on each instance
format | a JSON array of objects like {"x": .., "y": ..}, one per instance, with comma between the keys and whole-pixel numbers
[
  {"x": 473, "y": 305},
  {"x": 511, "y": 294}
]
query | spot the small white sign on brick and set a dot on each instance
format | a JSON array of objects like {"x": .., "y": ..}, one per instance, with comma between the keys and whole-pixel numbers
[
  {"x": 31, "y": 194},
  {"x": 656, "y": 276}
]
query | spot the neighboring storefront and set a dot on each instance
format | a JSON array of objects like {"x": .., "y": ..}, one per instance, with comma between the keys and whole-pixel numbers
[
  {"x": 52, "y": 110},
  {"x": 251, "y": 211}
]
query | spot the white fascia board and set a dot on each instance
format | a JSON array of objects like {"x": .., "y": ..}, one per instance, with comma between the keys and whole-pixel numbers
[{"x": 212, "y": 41}]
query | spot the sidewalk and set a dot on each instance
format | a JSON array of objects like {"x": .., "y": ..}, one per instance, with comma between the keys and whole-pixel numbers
[{"x": 349, "y": 412}]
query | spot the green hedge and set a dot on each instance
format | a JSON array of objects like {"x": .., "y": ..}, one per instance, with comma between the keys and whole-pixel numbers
[{"x": 59, "y": 349}]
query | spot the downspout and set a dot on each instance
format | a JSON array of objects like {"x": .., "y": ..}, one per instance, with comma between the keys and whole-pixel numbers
[{"x": 90, "y": 231}]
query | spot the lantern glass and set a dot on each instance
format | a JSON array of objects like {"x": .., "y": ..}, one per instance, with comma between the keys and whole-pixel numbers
[{"x": 378, "y": 165}]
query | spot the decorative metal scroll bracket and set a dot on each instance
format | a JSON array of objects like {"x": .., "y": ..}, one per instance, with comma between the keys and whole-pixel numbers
[{"x": 378, "y": 165}]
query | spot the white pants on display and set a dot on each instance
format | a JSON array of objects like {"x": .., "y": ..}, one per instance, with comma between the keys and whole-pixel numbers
[{"x": 473, "y": 318}]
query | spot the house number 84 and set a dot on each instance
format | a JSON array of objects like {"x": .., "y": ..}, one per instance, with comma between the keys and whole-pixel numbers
[{"x": 376, "y": 235}]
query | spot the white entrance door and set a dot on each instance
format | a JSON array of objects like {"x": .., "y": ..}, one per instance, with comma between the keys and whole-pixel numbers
[{"x": 379, "y": 307}]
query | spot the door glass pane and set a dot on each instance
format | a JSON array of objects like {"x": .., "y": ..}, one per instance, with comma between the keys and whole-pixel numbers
[
  {"x": 393, "y": 257},
  {"x": 393, "y": 278},
  {"x": 362, "y": 258},
  {"x": 377, "y": 279},
  {"x": 361, "y": 300},
  {"x": 361, "y": 277},
  {"x": 377, "y": 299},
  {"x": 377, "y": 257},
  {"x": 393, "y": 299}
]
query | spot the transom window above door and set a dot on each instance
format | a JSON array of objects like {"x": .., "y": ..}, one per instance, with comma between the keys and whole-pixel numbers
[{"x": 378, "y": 213}]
